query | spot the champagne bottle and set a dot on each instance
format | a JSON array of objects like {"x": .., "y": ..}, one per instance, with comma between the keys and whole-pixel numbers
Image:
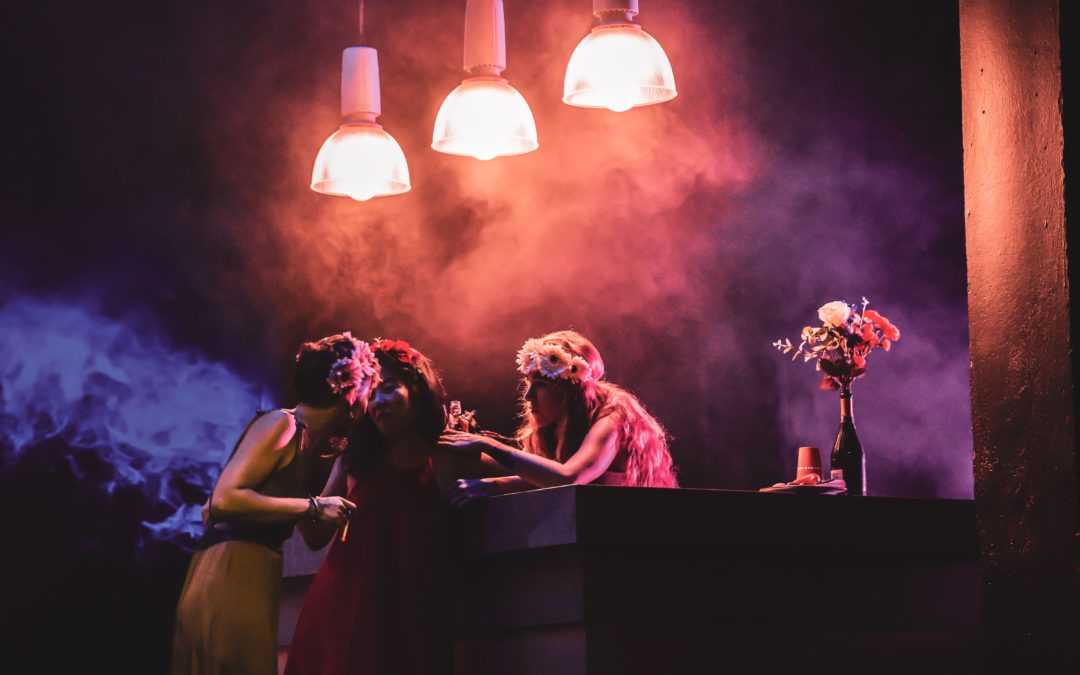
[{"x": 848, "y": 462}]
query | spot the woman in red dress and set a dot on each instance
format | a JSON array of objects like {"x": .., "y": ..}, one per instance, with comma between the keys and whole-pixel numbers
[{"x": 379, "y": 603}]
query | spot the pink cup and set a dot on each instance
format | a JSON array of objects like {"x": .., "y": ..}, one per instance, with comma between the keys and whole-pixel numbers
[{"x": 809, "y": 462}]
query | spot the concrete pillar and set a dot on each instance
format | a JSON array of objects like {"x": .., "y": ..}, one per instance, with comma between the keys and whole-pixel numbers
[{"x": 1021, "y": 320}]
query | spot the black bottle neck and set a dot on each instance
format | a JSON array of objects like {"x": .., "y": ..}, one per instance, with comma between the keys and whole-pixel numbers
[{"x": 845, "y": 405}]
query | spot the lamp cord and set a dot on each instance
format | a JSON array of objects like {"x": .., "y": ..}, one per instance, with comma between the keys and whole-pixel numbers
[{"x": 361, "y": 21}]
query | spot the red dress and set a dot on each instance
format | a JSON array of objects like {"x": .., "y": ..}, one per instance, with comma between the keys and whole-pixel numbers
[{"x": 379, "y": 604}]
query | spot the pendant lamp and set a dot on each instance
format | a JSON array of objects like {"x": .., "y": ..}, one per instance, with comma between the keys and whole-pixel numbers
[
  {"x": 618, "y": 65},
  {"x": 360, "y": 160},
  {"x": 484, "y": 117}
]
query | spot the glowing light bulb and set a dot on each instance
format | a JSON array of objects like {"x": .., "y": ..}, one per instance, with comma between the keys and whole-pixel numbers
[
  {"x": 620, "y": 98},
  {"x": 484, "y": 117},
  {"x": 360, "y": 161},
  {"x": 618, "y": 67}
]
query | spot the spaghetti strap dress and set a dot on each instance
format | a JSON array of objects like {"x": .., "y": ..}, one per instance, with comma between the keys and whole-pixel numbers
[
  {"x": 226, "y": 620},
  {"x": 379, "y": 604}
]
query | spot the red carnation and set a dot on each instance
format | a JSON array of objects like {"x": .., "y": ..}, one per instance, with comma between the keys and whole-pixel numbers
[
  {"x": 873, "y": 317},
  {"x": 841, "y": 349}
]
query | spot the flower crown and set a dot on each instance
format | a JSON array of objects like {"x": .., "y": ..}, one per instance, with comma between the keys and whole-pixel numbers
[
  {"x": 552, "y": 361},
  {"x": 400, "y": 350},
  {"x": 351, "y": 370}
]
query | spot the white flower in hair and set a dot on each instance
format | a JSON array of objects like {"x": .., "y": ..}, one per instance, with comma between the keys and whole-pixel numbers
[
  {"x": 552, "y": 361},
  {"x": 580, "y": 370},
  {"x": 528, "y": 357}
]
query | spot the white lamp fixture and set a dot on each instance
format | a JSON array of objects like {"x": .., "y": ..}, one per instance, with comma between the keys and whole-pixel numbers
[
  {"x": 360, "y": 160},
  {"x": 618, "y": 65},
  {"x": 484, "y": 117}
]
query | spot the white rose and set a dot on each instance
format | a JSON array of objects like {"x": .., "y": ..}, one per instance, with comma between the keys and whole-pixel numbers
[{"x": 835, "y": 313}]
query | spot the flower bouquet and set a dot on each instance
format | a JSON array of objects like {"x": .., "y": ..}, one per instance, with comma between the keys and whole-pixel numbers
[
  {"x": 842, "y": 342},
  {"x": 840, "y": 346}
]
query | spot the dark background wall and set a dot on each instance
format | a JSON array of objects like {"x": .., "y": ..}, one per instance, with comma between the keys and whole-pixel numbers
[{"x": 162, "y": 255}]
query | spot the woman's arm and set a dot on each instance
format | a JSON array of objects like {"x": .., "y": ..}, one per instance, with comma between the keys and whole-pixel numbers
[
  {"x": 449, "y": 466},
  {"x": 465, "y": 490},
  {"x": 464, "y": 477},
  {"x": 317, "y": 533},
  {"x": 262, "y": 450},
  {"x": 593, "y": 458}
]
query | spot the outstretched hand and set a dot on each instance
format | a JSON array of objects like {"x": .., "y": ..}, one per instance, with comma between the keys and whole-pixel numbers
[
  {"x": 460, "y": 441},
  {"x": 467, "y": 490}
]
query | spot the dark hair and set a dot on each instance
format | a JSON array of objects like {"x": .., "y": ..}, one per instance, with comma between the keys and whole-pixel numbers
[
  {"x": 427, "y": 398},
  {"x": 313, "y": 363}
]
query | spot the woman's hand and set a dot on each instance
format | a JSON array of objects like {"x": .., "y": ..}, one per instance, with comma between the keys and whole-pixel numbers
[
  {"x": 460, "y": 441},
  {"x": 466, "y": 490},
  {"x": 335, "y": 510}
]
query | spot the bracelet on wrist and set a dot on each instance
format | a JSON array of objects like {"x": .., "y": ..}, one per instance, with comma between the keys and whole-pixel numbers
[{"x": 313, "y": 508}]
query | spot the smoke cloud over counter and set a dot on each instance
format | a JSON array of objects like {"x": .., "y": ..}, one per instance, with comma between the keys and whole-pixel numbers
[{"x": 812, "y": 155}]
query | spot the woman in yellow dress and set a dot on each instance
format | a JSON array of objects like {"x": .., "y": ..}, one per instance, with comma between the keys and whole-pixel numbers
[{"x": 226, "y": 620}]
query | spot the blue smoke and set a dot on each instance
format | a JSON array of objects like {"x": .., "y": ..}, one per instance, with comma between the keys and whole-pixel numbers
[{"x": 162, "y": 419}]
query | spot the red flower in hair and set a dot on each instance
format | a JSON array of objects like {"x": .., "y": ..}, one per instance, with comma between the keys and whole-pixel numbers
[{"x": 401, "y": 350}]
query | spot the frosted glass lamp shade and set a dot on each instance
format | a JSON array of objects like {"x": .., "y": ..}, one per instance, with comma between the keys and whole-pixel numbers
[
  {"x": 484, "y": 117},
  {"x": 618, "y": 67},
  {"x": 360, "y": 161}
]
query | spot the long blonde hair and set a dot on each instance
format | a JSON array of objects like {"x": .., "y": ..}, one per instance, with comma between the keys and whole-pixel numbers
[{"x": 640, "y": 436}]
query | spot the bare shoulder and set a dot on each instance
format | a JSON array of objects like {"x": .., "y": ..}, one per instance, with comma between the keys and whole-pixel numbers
[
  {"x": 272, "y": 431},
  {"x": 606, "y": 426}
]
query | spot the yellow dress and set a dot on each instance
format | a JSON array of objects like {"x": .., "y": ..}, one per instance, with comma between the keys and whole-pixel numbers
[{"x": 226, "y": 620}]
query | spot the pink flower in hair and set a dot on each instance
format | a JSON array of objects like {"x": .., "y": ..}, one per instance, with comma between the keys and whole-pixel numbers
[{"x": 349, "y": 371}]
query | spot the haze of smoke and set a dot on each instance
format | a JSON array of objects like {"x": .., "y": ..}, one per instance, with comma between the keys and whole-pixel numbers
[
  {"x": 589, "y": 231},
  {"x": 683, "y": 238},
  {"x": 164, "y": 419}
]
